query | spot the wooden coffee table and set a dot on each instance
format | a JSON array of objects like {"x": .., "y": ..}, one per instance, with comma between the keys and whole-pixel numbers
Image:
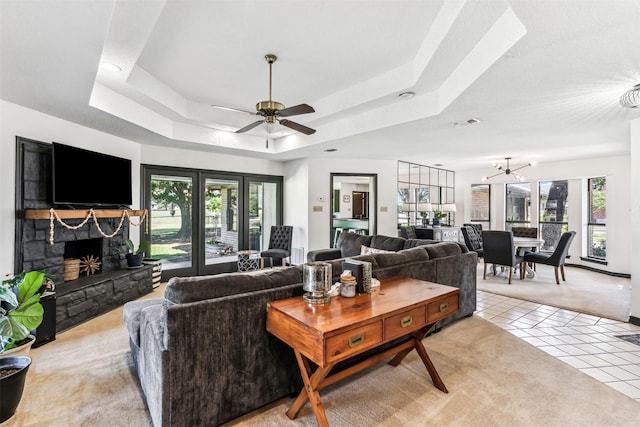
[{"x": 347, "y": 327}]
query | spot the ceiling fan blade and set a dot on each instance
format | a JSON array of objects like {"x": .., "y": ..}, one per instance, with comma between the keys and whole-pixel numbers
[
  {"x": 251, "y": 126},
  {"x": 297, "y": 127},
  {"x": 220, "y": 107},
  {"x": 295, "y": 110}
]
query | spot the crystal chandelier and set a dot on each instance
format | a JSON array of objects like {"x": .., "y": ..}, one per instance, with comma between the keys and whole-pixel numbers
[
  {"x": 508, "y": 171},
  {"x": 631, "y": 98}
]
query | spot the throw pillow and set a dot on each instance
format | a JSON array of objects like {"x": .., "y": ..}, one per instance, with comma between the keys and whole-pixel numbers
[{"x": 366, "y": 250}]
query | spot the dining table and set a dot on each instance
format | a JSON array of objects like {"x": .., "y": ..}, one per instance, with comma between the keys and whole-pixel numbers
[{"x": 523, "y": 244}]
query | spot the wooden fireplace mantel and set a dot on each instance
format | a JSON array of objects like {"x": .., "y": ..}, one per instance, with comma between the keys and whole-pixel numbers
[{"x": 80, "y": 213}]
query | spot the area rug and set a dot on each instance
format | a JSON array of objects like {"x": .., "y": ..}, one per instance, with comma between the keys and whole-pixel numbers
[
  {"x": 633, "y": 339},
  {"x": 84, "y": 378},
  {"x": 584, "y": 291}
]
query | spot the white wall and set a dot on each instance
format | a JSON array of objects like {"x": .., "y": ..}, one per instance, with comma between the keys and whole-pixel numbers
[
  {"x": 319, "y": 195},
  {"x": 296, "y": 207},
  {"x": 634, "y": 196},
  {"x": 615, "y": 169},
  {"x": 167, "y": 156},
  {"x": 20, "y": 121}
]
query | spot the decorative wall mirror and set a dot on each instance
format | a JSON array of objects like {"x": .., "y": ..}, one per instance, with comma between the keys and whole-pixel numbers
[{"x": 353, "y": 204}]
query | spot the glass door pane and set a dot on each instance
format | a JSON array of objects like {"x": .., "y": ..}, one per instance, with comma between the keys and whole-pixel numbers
[
  {"x": 220, "y": 203},
  {"x": 263, "y": 213},
  {"x": 171, "y": 221}
]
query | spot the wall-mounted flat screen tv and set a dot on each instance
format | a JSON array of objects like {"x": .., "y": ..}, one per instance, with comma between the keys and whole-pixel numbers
[{"x": 83, "y": 178}]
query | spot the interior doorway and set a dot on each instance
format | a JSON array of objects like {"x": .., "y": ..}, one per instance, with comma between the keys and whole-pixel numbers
[{"x": 353, "y": 204}]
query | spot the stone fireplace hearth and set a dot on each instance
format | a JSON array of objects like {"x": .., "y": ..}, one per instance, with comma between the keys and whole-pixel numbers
[{"x": 88, "y": 296}]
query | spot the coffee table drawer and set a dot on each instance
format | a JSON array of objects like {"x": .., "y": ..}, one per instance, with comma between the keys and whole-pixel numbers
[
  {"x": 442, "y": 308},
  {"x": 353, "y": 341},
  {"x": 401, "y": 324}
]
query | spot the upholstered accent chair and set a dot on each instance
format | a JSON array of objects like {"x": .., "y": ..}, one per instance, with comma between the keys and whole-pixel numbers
[
  {"x": 472, "y": 240},
  {"x": 477, "y": 227},
  {"x": 279, "y": 244},
  {"x": 499, "y": 250},
  {"x": 411, "y": 232},
  {"x": 557, "y": 257}
]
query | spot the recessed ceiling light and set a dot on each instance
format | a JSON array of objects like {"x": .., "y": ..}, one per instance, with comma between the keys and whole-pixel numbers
[
  {"x": 471, "y": 121},
  {"x": 330, "y": 150},
  {"x": 108, "y": 66},
  {"x": 407, "y": 95}
]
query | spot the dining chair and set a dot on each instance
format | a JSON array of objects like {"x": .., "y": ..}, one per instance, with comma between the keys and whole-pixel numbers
[
  {"x": 499, "y": 250},
  {"x": 531, "y": 232},
  {"x": 557, "y": 257},
  {"x": 472, "y": 240},
  {"x": 279, "y": 244},
  {"x": 477, "y": 227}
]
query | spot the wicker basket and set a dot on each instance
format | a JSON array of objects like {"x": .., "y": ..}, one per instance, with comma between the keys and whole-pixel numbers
[{"x": 71, "y": 269}]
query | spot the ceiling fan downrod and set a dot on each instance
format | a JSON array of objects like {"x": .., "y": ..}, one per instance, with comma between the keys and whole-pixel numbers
[{"x": 270, "y": 107}]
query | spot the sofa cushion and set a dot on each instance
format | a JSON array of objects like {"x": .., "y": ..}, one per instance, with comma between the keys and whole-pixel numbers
[
  {"x": 387, "y": 243},
  {"x": 190, "y": 289},
  {"x": 443, "y": 249},
  {"x": 132, "y": 312},
  {"x": 350, "y": 243},
  {"x": 402, "y": 257},
  {"x": 412, "y": 243},
  {"x": 366, "y": 250}
]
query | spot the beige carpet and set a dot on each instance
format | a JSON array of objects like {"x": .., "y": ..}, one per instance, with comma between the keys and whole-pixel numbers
[
  {"x": 494, "y": 379},
  {"x": 584, "y": 291}
]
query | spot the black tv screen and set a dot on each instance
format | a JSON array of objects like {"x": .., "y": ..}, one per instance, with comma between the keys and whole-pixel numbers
[{"x": 86, "y": 178}]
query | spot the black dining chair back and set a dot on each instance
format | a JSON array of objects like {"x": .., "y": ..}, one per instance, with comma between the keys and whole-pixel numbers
[
  {"x": 477, "y": 227},
  {"x": 472, "y": 240},
  {"x": 499, "y": 250},
  {"x": 525, "y": 232},
  {"x": 557, "y": 257},
  {"x": 279, "y": 244}
]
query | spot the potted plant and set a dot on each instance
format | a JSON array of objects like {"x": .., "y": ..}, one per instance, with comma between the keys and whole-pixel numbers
[
  {"x": 20, "y": 308},
  {"x": 437, "y": 218},
  {"x": 20, "y": 313},
  {"x": 135, "y": 256}
]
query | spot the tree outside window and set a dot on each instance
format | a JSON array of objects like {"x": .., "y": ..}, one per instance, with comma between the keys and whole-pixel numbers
[
  {"x": 597, "y": 228},
  {"x": 554, "y": 219}
]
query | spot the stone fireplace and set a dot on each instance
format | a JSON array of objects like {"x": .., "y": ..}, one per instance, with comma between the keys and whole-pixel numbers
[{"x": 88, "y": 296}]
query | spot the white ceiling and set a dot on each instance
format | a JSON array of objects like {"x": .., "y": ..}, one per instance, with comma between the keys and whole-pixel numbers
[{"x": 543, "y": 77}]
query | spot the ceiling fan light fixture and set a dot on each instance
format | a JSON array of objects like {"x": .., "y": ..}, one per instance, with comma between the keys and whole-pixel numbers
[
  {"x": 274, "y": 112},
  {"x": 631, "y": 98}
]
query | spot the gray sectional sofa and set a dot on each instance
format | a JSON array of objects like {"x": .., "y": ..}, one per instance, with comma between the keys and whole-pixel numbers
[{"x": 202, "y": 353}]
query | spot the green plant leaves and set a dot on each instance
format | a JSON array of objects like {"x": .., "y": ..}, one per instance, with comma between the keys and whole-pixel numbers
[
  {"x": 32, "y": 282},
  {"x": 8, "y": 296},
  {"x": 16, "y": 323},
  {"x": 13, "y": 329}
]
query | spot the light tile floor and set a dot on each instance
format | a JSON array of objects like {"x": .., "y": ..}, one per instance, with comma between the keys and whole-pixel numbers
[{"x": 586, "y": 342}]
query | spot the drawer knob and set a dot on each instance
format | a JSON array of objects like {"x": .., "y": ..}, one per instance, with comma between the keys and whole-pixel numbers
[
  {"x": 406, "y": 321},
  {"x": 356, "y": 340},
  {"x": 444, "y": 306}
]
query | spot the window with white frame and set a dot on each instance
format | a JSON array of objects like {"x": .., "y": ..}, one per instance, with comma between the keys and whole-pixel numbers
[
  {"x": 518, "y": 205},
  {"x": 481, "y": 204},
  {"x": 554, "y": 218},
  {"x": 597, "y": 225}
]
